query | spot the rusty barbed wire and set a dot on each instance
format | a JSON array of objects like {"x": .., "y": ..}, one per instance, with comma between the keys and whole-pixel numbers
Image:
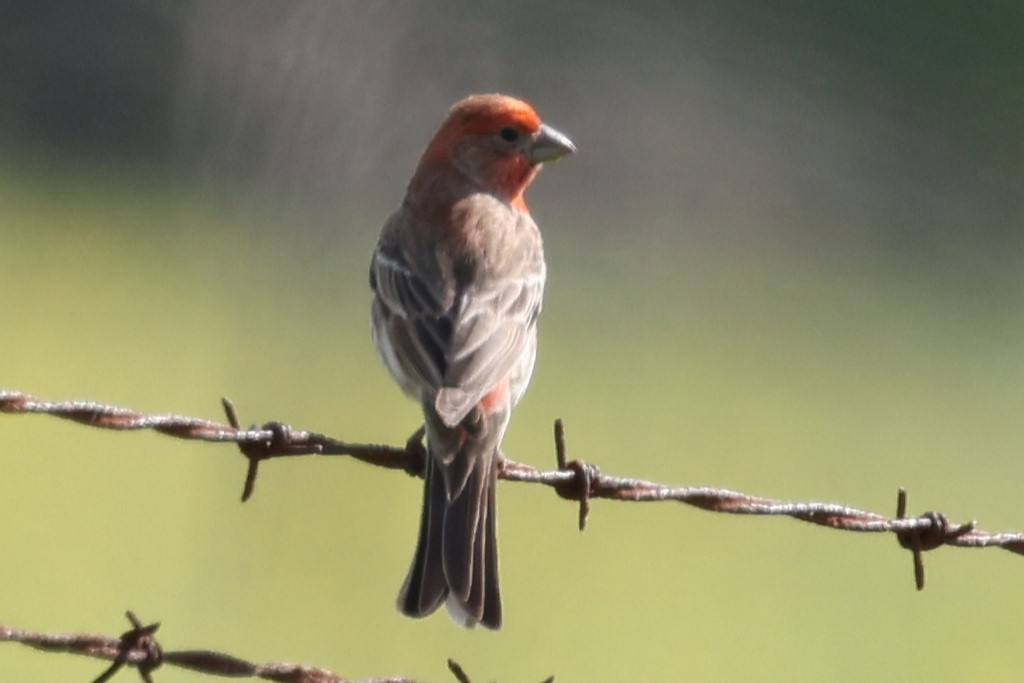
[
  {"x": 139, "y": 648},
  {"x": 574, "y": 480}
]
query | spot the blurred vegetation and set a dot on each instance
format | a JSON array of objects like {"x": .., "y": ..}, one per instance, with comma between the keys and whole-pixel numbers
[{"x": 786, "y": 260}]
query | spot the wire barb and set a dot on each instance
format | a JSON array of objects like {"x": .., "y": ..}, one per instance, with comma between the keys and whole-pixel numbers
[
  {"x": 936, "y": 533},
  {"x": 578, "y": 487},
  {"x": 458, "y": 672},
  {"x": 138, "y": 646},
  {"x": 462, "y": 677}
]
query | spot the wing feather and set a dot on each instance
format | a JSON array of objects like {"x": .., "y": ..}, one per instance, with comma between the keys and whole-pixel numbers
[{"x": 459, "y": 335}]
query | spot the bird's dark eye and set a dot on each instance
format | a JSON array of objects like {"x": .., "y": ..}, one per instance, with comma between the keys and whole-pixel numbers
[{"x": 509, "y": 134}]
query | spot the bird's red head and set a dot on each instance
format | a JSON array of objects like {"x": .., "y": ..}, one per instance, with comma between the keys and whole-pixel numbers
[{"x": 498, "y": 142}]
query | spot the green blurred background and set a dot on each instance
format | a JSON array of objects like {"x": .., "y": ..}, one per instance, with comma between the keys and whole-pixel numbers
[{"x": 787, "y": 260}]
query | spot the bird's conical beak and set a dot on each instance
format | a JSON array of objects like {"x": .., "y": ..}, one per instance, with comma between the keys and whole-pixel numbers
[{"x": 548, "y": 144}]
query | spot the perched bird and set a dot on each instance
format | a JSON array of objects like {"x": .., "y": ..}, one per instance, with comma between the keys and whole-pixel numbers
[{"x": 458, "y": 276}]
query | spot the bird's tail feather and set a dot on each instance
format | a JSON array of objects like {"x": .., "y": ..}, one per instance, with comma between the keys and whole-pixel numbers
[
  {"x": 425, "y": 587},
  {"x": 456, "y": 558}
]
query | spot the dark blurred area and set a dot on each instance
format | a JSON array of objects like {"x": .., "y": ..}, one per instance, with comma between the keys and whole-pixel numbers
[
  {"x": 900, "y": 123},
  {"x": 90, "y": 79}
]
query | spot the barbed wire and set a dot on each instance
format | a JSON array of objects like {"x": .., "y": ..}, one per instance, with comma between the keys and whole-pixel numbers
[
  {"x": 138, "y": 648},
  {"x": 574, "y": 480}
]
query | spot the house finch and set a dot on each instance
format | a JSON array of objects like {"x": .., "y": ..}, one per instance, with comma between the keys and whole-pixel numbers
[{"x": 458, "y": 276}]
